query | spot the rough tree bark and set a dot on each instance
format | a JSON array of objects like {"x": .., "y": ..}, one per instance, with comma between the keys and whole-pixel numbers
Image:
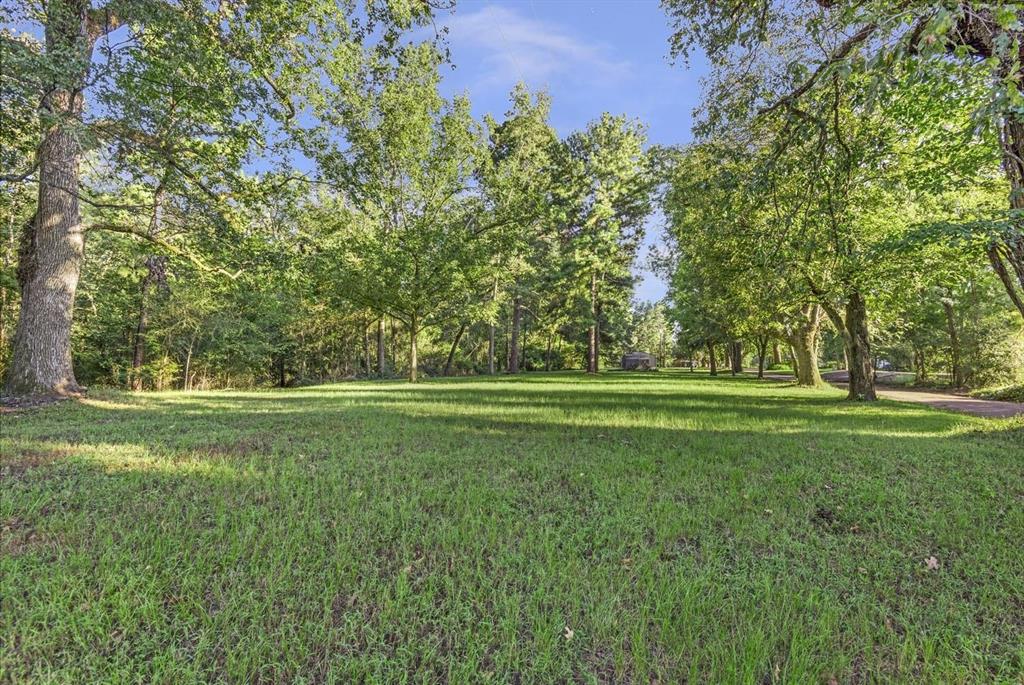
[
  {"x": 53, "y": 245},
  {"x": 736, "y": 357},
  {"x": 862, "y": 367},
  {"x": 853, "y": 326},
  {"x": 803, "y": 337},
  {"x": 517, "y": 321}
]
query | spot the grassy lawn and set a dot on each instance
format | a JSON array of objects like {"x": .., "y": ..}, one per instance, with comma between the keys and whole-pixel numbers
[{"x": 663, "y": 527}]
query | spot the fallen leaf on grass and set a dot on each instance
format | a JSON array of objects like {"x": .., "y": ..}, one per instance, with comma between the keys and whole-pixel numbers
[
  {"x": 932, "y": 563},
  {"x": 569, "y": 634}
]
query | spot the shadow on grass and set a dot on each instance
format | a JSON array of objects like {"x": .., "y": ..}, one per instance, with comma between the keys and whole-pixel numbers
[{"x": 685, "y": 527}]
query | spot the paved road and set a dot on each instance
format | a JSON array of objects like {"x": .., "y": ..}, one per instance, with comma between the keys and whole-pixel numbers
[{"x": 939, "y": 400}]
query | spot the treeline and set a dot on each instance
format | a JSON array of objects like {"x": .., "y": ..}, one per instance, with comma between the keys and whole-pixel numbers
[
  {"x": 208, "y": 196},
  {"x": 234, "y": 194},
  {"x": 847, "y": 194}
]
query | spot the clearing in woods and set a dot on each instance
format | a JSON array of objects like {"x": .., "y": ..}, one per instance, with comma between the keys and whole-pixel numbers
[{"x": 555, "y": 527}]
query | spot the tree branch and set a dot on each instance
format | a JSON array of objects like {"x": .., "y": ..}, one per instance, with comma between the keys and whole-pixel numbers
[
  {"x": 170, "y": 247},
  {"x": 839, "y": 54}
]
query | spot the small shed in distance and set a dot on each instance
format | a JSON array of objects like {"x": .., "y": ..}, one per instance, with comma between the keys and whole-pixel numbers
[{"x": 639, "y": 361}]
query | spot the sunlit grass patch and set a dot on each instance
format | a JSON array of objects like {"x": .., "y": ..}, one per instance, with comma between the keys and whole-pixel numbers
[{"x": 547, "y": 528}]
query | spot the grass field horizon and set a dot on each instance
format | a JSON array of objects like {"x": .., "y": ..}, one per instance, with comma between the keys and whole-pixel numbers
[{"x": 663, "y": 527}]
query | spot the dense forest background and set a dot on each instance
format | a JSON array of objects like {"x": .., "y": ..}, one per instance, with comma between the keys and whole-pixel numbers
[{"x": 260, "y": 215}]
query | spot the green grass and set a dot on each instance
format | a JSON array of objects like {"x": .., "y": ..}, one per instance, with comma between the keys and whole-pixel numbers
[
  {"x": 683, "y": 528},
  {"x": 1006, "y": 393}
]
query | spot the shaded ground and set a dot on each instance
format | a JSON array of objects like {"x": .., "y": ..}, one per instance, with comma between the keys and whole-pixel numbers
[
  {"x": 932, "y": 398},
  {"x": 659, "y": 527}
]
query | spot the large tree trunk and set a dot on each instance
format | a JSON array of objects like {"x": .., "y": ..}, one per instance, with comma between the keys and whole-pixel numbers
[
  {"x": 413, "y": 332},
  {"x": 776, "y": 354},
  {"x": 955, "y": 367},
  {"x": 517, "y": 322},
  {"x": 50, "y": 260},
  {"x": 736, "y": 356},
  {"x": 803, "y": 337},
  {"x": 380, "y": 348},
  {"x": 712, "y": 362},
  {"x": 451, "y": 352},
  {"x": 547, "y": 354},
  {"x": 862, "y": 367},
  {"x": 853, "y": 326},
  {"x": 592, "y": 332}
]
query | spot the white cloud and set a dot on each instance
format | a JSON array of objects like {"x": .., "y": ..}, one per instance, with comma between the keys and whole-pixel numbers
[{"x": 515, "y": 47}]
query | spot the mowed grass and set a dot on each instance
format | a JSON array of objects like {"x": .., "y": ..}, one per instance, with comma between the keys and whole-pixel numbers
[{"x": 662, "y": 527}]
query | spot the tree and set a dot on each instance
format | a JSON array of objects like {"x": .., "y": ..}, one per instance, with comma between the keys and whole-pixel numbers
[
  {"x": 608, "y": 185},
  {"x": 729, "y": 255},
  {"x": 893, "y": 45},
  {"x": 416, "y": 243},
  {"x": 518, "y": 181},
  {"x": 182, "y": 87}
]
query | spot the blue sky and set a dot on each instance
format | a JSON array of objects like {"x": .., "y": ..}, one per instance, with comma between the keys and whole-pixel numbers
[{"x": 591, "y": 56}]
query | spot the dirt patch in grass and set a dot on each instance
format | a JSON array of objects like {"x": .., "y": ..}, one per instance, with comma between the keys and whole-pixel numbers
[
  {"x": 682, "y": 547},
  {"x": 13, "y": 405},
  {"x": 18, "y": 537},
  {"x": 15, "y": 467}
]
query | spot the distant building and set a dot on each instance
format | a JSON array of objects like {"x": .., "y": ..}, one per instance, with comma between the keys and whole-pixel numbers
[{"x": 639, "y": 361}]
